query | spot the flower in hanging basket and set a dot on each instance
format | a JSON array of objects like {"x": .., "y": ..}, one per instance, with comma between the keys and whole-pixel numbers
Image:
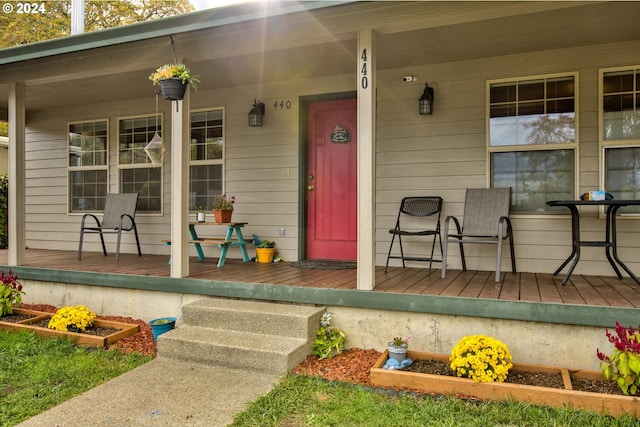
[
  {"x": 481, "y": 358},
  {"x": 175, "y": 71},
  {"x": 75, "y": 319},
  {"x": 224, "y": 202}
]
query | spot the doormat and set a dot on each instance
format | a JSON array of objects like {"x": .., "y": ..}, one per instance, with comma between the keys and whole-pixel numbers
[{"x": 315, "y": 264}]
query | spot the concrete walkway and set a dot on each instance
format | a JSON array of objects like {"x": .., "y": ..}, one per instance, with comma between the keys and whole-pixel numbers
[{"x": 161, "y": 393}]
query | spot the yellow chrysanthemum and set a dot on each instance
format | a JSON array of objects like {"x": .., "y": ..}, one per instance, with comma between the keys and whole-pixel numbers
[
  {"x": 481, "y": 358},
  {"x": 75, "y": 319}
]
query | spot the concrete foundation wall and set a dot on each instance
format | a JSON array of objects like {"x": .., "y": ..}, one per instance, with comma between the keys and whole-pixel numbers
[{"x": 529, "y": 342}]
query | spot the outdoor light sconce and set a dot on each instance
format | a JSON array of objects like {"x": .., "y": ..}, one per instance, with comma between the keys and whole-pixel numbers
[
  {"x": 425, "y": 102},
  {"x": 256, "y": 114}
]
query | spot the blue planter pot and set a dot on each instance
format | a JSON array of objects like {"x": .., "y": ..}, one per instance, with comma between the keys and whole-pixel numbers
[{"x": 161, "y": 325}]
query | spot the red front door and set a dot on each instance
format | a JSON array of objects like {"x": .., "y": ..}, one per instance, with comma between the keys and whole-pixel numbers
[{"x": 332, "y": 180}]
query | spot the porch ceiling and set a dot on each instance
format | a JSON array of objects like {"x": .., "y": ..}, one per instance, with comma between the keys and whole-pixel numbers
[{"x": 259, "y": 51}]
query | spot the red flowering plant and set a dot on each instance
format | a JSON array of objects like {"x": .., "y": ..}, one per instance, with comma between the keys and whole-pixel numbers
[
  {"x": 624, "y": 365},
  {"x": 10, "y": 292}
]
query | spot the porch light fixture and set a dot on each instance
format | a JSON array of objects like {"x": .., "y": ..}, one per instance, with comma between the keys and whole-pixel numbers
[
  {"x": 425, "y": 102},
  {"x": 256, "y": 114}
]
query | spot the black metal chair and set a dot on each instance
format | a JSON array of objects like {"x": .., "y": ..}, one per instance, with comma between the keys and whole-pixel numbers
[
  {"x": 119, "y": 215},
  {"x": 416, "y": 207}
]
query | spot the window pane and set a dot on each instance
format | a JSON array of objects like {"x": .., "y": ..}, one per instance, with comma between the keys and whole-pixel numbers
[
  {"x": 622, "y": 174},
  {"x": 147, "y": 182},
  {"x": 543, "y": 112},
  {"x": 205, "y": 184},
  {"x": 134, "y": 136},
  {"x": 88, "y": 190},
  {"x": 535, "y": 177},
  {"x": 620, "y": 105}
]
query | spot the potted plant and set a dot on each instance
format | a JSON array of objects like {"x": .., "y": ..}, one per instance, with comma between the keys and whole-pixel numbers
[
  {"x": 265, "y": 250},
  {"x": 223, "y": 208},
  {"x": 161, "y": 325},
  {"x": 398, "y": 348},
  {"x": 173, "y": 80},
  {"x": 200, "y": 217}
]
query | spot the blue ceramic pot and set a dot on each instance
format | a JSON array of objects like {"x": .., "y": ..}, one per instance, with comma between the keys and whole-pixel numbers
[{"x": 161, "y": 325}]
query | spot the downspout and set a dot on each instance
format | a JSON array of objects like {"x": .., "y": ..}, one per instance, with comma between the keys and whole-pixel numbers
[{"x": 77, "y": 17}]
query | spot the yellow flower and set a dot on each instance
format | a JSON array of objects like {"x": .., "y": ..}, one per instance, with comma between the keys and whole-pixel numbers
[
  {"x": 75, "y": 319},
  {"x": 481, "y": 358}
]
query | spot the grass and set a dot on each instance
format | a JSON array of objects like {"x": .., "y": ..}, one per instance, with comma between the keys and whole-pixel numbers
[
  {"x": 38, "y": 373},
  {"x": 313, "y": 402}
]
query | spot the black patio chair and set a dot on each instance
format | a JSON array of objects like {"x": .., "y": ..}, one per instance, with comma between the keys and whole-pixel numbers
[
  {"x": 119, "y": 215},
  {"x": 486, "y": 220},
  {"x": 420, "y": 207}
]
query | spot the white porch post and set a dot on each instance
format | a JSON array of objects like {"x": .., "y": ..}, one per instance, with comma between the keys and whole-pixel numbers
[
  {"x": 366, "y": 160},
  {"x": 180, "y": 187},
  {"x": 17, "y": 243}
]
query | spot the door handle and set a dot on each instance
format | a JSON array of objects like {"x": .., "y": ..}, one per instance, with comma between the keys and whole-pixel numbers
[{"x": 310, "y": 187}]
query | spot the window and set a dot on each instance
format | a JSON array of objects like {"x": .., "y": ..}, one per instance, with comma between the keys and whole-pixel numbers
[
  {"x": 620, "y": 136},
  {"x": 137, "y": 173},
  {"x": 532, "y": 139},
  {"x": 206, "y": 157},
  {"x": 88, "y": 168}
]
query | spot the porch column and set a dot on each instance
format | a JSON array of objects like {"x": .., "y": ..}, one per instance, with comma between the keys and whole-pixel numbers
[
  {"x": 366, "y": 160},
  {"x": 180, "y": 187},
  {"x": 17, "y": 239}
]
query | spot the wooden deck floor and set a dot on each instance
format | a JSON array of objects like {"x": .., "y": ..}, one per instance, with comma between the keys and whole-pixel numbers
[{"x": 532, "y": 287}]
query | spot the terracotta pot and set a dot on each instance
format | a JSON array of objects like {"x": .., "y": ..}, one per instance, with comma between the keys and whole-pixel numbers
[{"x": 223, "y": 216}]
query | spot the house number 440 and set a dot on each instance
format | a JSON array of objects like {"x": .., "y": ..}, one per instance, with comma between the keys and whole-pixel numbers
[{"x": 282, "y": 105}]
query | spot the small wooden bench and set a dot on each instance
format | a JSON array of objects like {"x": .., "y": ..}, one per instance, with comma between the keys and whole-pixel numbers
[{"x": 219, "y": 242}]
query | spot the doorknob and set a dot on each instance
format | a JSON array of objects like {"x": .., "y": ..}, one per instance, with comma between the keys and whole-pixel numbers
[{"x": 310, "y": 187}]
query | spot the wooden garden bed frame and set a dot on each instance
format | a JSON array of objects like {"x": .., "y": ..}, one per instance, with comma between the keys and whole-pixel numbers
[
  {"x": 614, "y": 405},
  {"x": 85, "y": 340}
]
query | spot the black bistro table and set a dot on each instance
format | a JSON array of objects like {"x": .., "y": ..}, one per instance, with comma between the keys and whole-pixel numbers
[{"x": 610, "y": 241}]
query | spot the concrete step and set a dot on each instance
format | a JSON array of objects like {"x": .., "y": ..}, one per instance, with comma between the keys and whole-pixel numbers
[
  {"x": 264, "y": 337},
  {"x": 254, "y": 316},
  {"x": 269, "y": 354}
]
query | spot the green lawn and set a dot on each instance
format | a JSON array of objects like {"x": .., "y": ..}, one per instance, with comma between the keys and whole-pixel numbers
[
  {"x": 314, "y": 402},
  {"x": 38, "y": 373}
]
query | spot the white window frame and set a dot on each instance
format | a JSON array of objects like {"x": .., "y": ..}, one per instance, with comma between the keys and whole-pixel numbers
[
  {"x": 534, "y": 147},
  {"x": 146, "y": 165},
  {"x": 71, "y": 168},
  {"x": 604, "y": 144},
  {"x": 207, "y": 162}
]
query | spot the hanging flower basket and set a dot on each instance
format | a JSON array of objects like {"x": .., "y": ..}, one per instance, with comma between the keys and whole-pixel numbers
[{"x": 172, "y": 89}]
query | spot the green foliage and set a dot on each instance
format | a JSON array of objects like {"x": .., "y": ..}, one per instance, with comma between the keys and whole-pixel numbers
[
  {"x": 264, "y": 244},
  {"x": 481, "y": 358},
  {"x": 10, "y": 292},
  {"x": 223, "y": 202},
  {"x": 623, "y": 366},
  {"x": 329, "y": 341},
  {"x": 39, "y": 373},
  {"x": 314, "y": 402},
  {"x": 4, "y": 128},
  {"x": 175, "y": 71},
  {"x": 25, "y": 28},
  {"x": 4, "y": 211}
]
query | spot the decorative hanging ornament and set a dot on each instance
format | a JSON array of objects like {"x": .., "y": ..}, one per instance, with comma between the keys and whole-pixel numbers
[{"x": 155, "y": 148}]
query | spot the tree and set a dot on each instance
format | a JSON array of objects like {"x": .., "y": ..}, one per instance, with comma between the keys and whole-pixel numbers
[{"x": 53, "y": 20}]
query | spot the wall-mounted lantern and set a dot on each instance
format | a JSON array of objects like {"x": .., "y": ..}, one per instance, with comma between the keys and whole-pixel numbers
[
  {"x": 256, "y": 114},
  {"x": 425, "y": 102}
]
